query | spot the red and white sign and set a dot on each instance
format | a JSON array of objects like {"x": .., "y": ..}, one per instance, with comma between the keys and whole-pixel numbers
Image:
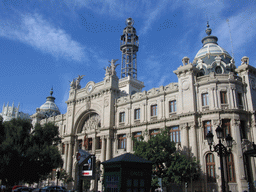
[
  {"x": 78, "y": 156},
  {"x": 87, "y": 173}
]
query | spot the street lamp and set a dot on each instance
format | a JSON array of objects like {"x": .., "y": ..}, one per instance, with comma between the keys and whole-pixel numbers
[{"x": 221, "y": 150}]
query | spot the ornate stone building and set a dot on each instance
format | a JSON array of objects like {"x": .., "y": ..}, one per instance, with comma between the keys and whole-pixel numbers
[
  {"x": 10, "y": 112},
  {"x": 103, "y": 117}
]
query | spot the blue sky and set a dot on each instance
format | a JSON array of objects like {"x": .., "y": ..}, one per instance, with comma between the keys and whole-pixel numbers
[{"x": 47, "y": 43}]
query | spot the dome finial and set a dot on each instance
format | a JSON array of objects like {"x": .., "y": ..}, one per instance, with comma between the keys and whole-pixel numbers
[
  {"x": 51, "y": 92},
  {"x": 208, "y": 30}
]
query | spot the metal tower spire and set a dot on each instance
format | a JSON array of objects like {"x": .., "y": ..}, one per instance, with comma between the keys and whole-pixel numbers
[{"x": 129, "y": 46}]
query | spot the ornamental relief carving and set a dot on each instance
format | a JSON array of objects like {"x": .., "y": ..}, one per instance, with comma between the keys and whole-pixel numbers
[
  {"x": 106, "y": 102},
  {"x": 92, "y": 123}
]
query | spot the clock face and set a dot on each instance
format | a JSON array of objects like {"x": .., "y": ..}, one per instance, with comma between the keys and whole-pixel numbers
[{"x": 89, "y": 88}]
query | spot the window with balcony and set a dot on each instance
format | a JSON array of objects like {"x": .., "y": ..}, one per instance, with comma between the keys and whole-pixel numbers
[
  {"x": 223, "y": 97},
  {"x": 205, "y": 99},
  {"x": 122, "y": 117},
  {"x": 122, "y": 141},
  {"x": 207, "y": 127},
  {"x": 153, "y": 110},
  {"x": 175, "y": 134},
  {"x": 210, "y": 168},
  {"x": 137, "y": 114},
  {"x": 172, "y": 106}
]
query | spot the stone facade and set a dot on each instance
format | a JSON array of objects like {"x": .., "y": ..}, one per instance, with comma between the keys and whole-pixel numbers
[{"x": 103, "y": 117}]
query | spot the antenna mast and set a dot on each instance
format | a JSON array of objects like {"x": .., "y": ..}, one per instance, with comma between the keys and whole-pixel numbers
[{"x": 230, "y": 38}]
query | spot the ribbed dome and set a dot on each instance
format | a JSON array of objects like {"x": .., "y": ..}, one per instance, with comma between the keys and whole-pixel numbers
[
  {"x": 49, "y": 105},
  {"x": 49, "y": 108},
  {"x": 212, "y": 57},
  {"x": 211, "y": 49}
]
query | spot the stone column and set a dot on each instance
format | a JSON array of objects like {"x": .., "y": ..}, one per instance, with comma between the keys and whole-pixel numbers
[
  {"x": 65, "y": 156},
  {"x": 69, "y": 167},
  {"x": 193, "y": 140},
  {"x": 129, "y": 142},
  {"x": 103, "y": 149},
  {"x": 108, "y": 150},
  {"x": 184, "y": 139},
  {"x": 93, "y": 145},
  {"x": 239, "y": 162}
]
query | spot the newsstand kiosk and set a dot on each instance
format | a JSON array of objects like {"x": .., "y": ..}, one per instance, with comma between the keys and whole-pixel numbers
[
  {"x": 127, "y": 172},
  {"x": 86, "y": 167}
]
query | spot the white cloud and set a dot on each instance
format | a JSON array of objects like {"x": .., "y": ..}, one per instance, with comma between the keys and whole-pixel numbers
[{"x": 42, "y": 35}]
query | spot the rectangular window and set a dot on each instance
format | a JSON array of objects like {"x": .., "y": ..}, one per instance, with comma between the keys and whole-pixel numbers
[
  {"x": 63, "y": 148},
  {"x": 205, "y": 100},
  {"x": 231, "y": 168},
  {"x": 122, "y": 141},
  {"x": 154, "y": 132},
  {"x": 223, "y": 97},
  {"x": 239, "y": 98},
  {"x": 89, "y": 143},
  {"x": 207, "y": 128},
  {"x": 122, "y": 117},
  {"x": 175, "y": 134},
  {"x": 137, "y": 114},
  {"x": 137, "y": 136},
  {"x": 153, "y": 110},
  {"x": 80, "y": 143},
  {"x": 172, "y": 106},
  {"x": 99, "y": 143},
  {"x": 226, "y": 127},
  {"x": 210, "y": 168}
]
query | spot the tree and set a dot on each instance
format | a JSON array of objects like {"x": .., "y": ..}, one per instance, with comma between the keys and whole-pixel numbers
[
  {"x": 27, "y": 154},
  {"x": 65, "y": 177},
  {"x": 168, "y": 163}
]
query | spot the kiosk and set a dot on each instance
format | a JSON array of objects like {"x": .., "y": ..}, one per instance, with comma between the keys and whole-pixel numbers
[{"x": 127, "y": 172}]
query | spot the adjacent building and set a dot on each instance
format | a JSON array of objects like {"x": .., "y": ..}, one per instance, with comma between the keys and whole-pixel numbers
[
  {"x": 211, "y": 91},
  {"x": 10, "y": 111}
]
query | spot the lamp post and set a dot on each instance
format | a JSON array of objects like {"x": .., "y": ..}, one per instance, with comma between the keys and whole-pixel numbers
[{"x": 221, "y": 150}]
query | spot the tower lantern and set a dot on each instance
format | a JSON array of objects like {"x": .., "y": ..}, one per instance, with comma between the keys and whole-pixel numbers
[{"x": 129, "y": 46}]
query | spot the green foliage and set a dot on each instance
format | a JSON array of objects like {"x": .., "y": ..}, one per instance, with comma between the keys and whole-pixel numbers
[
  {"x": 65, "y": 177},
  {"x": 168, "y": 164},
  {"x": 28, "y": 155}
]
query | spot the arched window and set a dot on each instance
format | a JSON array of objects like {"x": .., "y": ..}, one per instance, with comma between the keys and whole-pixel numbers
[
  {"x": 231, "y": 168},
  {"x": 210, "y": 168}
]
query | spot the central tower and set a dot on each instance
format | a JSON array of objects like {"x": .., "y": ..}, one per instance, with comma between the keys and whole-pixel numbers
[{"x": 129, "y": 46}]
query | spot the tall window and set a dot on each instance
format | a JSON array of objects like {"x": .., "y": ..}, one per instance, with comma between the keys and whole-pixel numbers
[
  {"x": 154, "y": 132},
  {"x": 175, "y": 134},
  {"x": 210, "y": 168},
  {"x": 63, "y": 149},
  {"x": 205, "y": 100},
  {"x": 207, "y": 127},
  {"x": 89, "y": 143},
  {"x": 137, "y": 114},
  {"x": 122, "y": 141},
  {"x": 172, "y": 106},
  {"x": 137, "y": 136},
  {"x": 122, "y": 117},
  {"x": 153, "y": 110},
  {"x": 226, "y": 127},
  {"x": 239, "y": 98},
  {"x": 99, "y": 143},
  {"x": 80, "y": 143},
  {"x": 223, "y": 97},
  {"x": 231, "y": 168}
]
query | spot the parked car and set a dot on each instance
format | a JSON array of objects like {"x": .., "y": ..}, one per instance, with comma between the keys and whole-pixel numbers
[
  {"x": 53, "y": 189},
  {"x": 23, "y": 189}
]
